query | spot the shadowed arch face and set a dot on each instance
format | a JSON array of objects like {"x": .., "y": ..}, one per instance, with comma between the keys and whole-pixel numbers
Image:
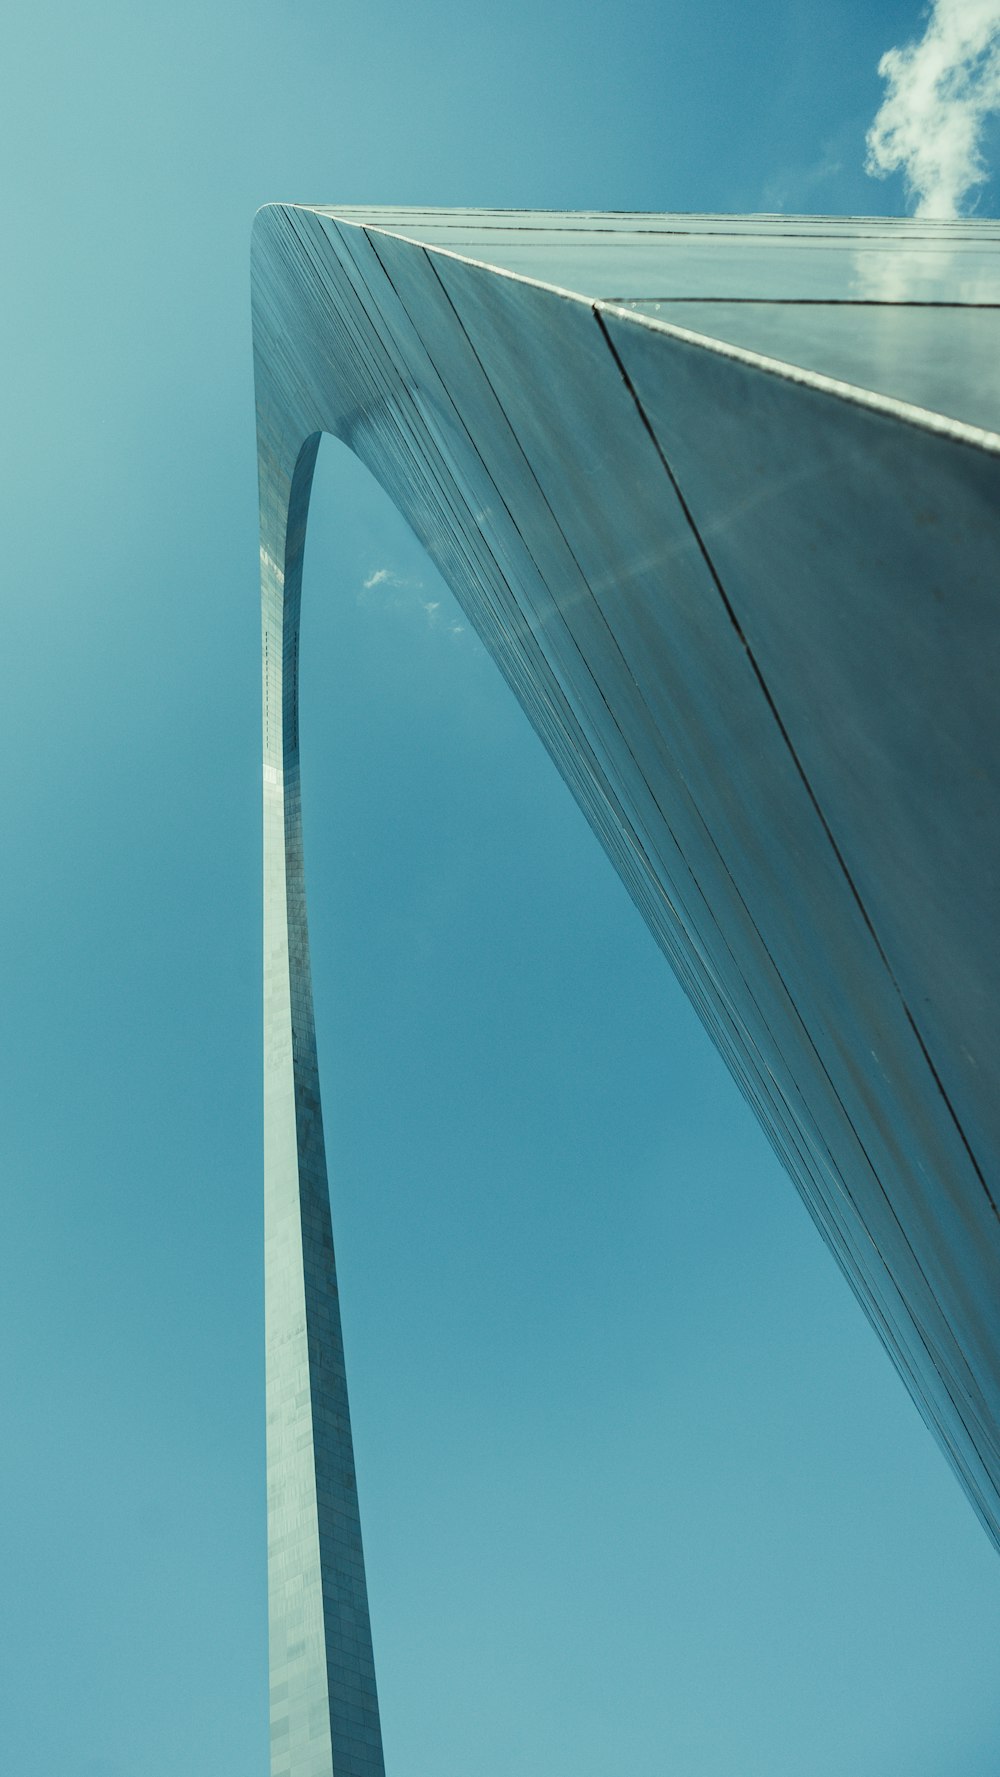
[{"x": 579, "y": 474}]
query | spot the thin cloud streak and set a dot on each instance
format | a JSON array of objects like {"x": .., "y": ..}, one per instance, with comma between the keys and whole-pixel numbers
[
  {"x": 404, "y": 595},
  {"x": 383, "y": 577},
  {"x": 940, "y": 93}
]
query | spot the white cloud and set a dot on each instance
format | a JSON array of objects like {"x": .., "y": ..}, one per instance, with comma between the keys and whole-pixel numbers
[
  {"x": 940, "y": 92},
  {"x": 399, "y": 594}
]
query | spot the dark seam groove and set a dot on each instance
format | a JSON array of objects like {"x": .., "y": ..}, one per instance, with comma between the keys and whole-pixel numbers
[{"x": 794, "y": 757}]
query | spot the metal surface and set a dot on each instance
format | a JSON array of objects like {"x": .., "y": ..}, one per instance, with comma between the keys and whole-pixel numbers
[{"x": 748, "y": 603}]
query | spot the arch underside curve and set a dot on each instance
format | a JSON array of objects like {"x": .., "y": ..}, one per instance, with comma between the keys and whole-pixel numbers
[{"x": 692, "y": 569}]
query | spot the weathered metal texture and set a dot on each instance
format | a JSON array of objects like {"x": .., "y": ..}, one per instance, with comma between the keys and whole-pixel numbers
[{"x": 751, "y": 611}]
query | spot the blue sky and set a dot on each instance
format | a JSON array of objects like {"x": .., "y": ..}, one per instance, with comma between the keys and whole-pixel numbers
[{"x": 641, "y": 1491}]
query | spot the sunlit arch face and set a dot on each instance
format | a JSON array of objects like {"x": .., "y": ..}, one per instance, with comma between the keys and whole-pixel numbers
[{"x": 690, "y": 562}]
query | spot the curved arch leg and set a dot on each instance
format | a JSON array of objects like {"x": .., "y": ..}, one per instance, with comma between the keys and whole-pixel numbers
[{"x": 324, "y": 1709}]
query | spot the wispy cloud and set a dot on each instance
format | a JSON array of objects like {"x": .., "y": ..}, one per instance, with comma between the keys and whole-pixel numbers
[
  {"x": 940, "y": 92},
  {"x": 792, "y": 187},
  {"x": 406, "y": 596}
]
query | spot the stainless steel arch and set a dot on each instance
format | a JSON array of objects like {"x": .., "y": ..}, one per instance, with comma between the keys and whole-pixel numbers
[{"x": 727, "y": 522}]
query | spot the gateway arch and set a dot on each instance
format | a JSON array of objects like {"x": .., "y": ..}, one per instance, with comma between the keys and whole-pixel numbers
[{"x": 721, "y": 496}]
